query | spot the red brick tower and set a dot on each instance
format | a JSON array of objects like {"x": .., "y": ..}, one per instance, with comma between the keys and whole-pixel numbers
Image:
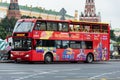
[
  {"x": 90, "y": 12},
  {"x": 13, "y": 10}
]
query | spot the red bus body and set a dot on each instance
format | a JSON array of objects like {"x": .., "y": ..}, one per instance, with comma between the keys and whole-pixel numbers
[{"x": 63, "y": 45}]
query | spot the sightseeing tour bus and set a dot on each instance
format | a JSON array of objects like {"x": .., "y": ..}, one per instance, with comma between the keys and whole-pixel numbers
[{"x": 58, "y": 40}]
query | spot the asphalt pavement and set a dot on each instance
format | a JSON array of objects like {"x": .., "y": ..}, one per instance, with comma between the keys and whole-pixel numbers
[{"x": 105, "y": 70}]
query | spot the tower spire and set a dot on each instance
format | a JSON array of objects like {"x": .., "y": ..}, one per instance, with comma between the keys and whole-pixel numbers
[
  {"x": 13, "y": 9},
  {"x": 90, "y": 12},
  {"x": 89, "y": 8}
]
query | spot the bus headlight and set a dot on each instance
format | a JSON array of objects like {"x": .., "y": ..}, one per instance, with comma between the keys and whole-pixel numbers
[
  {"x": 27, "y": 55},
  {"x": 11, "y": 55}
]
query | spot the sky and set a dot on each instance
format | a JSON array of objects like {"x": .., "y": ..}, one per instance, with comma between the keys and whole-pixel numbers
[{"x": 109, "y": 9}]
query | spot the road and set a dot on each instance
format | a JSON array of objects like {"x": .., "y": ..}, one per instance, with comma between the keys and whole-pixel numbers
[{"x": 60, "y": 71}]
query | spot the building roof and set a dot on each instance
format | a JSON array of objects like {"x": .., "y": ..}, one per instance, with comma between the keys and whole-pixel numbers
[{"x": 36, "y": 9}]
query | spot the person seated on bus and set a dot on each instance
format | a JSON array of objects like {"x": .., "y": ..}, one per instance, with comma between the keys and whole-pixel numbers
[
  {"x": 84, "y": 30},
  {"x": 43, "y": 26},
  {"x": 75, "y": 29},
  {"x": 37, "y": 27},
  {"x": 104, "y": 31}
]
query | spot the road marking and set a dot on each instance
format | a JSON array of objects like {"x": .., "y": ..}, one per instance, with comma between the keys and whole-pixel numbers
[
  {"x": 103, "y": 74},
  {"x": 41, "y": 73}
]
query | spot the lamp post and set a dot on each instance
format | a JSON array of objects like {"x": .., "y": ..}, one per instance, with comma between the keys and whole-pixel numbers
[{"x": 30, "y": 10}]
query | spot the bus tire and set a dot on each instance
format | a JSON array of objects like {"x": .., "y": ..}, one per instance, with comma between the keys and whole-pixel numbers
[
  {"x": 48, "y": 58},
  {"x": 89, "y": 58}
]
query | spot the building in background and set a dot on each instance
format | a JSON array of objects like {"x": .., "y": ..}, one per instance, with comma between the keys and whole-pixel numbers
[
  {"x": 13, "y": 10},
  {"x": 76, "y": 15},
  {"x": 33, "y": 12},
  {"x": 90, "y": 12}
]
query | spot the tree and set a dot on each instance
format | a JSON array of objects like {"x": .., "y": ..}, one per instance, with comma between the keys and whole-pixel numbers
[
  {"x": 2, "y": 33},
  {"x": 118, "y": 39},
  {"x": 24, "y": 16},
  {"x": 7, "y": 26},
  {"x": 112, "y": 35}
]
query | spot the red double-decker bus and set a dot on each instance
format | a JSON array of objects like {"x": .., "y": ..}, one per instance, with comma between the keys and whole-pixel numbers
[{"x": 56, "y": 40}]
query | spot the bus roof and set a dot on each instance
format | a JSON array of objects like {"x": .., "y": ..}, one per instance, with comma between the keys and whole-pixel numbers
[
  {"x": 34, "y": 20},
  {"x": 68, "y": 21}
]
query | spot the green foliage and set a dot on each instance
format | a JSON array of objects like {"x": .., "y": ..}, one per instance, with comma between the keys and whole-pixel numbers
[
  {"x": 3, "y": 33},
  {"x": 112, "y": 35},
  {"x": 118, "y": 39},
  {"x": 24, "y": 16},
  {"x": 6, "y": 27}
]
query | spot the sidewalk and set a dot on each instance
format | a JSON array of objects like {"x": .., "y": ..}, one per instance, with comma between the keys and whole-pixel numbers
[
  {"x": 114, "y": 60},
  {"x": 6, "y": 61}
]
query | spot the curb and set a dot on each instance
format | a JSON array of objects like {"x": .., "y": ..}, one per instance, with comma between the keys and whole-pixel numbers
[
  {"x": 114, "y": 60},
  {"x": 6, "y": 61}
]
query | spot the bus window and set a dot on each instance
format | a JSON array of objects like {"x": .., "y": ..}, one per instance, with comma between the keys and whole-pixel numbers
[
  {"x": 85, "y": 28},
  {"x": 76, "y": 27},
  {"x": 43, "y": 26},
  {"x": 83, "y": 46},
  {"x": 95, "y": 28},
  {"x": 75, "y": 44},
  {"x": 51, "y": 26},
  {"x": 37, "y": 27},
  {"x": 48, "y": 43},
  {"x": 89, "y": 44},
  {"x": 22, "y": 44},
  {"x": 65, "y": 44},
  {"x": 71, "y": 28},
  {"x": 63, "y": 27},
  {"x": 40, "y": 26},
  {"x": 60, "y": 26},
  {"x": 104, "y": 29},
  {"x": 58, "y": 44},
  {"x": 38, "y": 43}
]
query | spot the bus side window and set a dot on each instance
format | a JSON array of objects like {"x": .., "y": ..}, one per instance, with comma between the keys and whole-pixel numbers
[
  {"x": 52, "y": 26},
  {"x": 43, "y": 26},
  {"x": 76, "y": 28},
  {"x": 37, "y": 27},
  {"x": 58, "y": 44},
  {"x": 96, "y": 28},
  {"x": 38, "y": 43},
  {"x": 85, "y": 28},
  {"x": 48, "y": 26},
  {"x": 83, "y": 46},
  {"x": 71, "y": 28},
  {"x": 89, "y": 44},
  {"x": 63, "y": 27},
  {"x": 104, "y": 29},
  {"x": 40, "y": 26},
  {"x": 65, "y": 44},
  {"x": 60, "y": 26}
]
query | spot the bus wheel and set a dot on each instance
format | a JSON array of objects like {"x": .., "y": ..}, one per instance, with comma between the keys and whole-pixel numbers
[
  {"x": 89, "y": 58},
  {"x": 48, "y": 58}
]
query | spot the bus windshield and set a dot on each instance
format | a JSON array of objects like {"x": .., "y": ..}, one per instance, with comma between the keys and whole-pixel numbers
[
  {"x": 23, "y": 26},
  {"x": 22, "y": 44}
]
